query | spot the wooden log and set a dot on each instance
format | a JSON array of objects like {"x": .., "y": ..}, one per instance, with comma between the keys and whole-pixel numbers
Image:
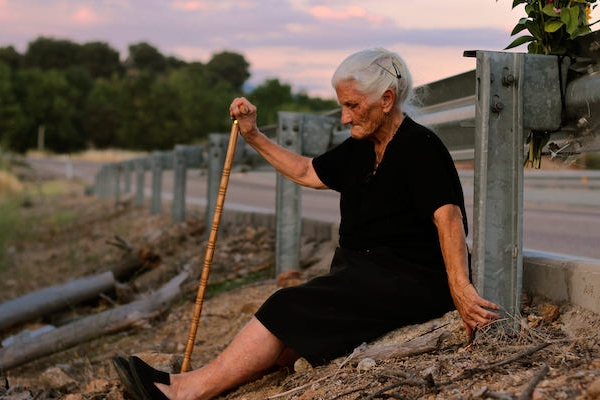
[
  {"x": 419, "y": 345},
  {"x": 94, "y": 326},
  {"x": 42, "y": 302},
  {"x": 134, "y": 261},
  {"x": 55, "y": 298}
]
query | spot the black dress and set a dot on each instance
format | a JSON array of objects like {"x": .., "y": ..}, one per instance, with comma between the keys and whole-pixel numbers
[{"x": 388, "y": 271}]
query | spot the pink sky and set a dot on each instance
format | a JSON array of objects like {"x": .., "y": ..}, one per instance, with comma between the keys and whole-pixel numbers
[{"x": 298, "y": 41}]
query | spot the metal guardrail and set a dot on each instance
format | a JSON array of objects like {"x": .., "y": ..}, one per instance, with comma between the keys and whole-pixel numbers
[{"x": 480, "y": 115}]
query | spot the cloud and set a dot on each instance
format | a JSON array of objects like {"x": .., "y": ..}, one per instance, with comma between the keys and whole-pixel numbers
[
  {"x": 353, "y": 12},
  {"x": 86, "y": 16},
  {"x": 300, "y": 41},
  {"x": 189, "y": 5}
]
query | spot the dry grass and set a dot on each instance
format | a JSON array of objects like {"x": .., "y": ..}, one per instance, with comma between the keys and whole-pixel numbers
[
  {"x": 9, "y": 184},
  {"x": 110, "y": 155}
]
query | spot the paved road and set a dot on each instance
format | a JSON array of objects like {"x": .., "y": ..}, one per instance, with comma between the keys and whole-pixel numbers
[{"x": 557, "y": 218}]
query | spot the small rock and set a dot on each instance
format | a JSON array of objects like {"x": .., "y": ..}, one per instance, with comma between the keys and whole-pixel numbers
[
  {"x": 533, "y": 320},
  {"x": 56, "y": 378},
  {"x": 366, "y": 364},
  {"x": 593, "y": 391},
  {"x": 97, "y": 385},
  {"x": 250, "y": 308},
  {"x": 537, "y": 394},
  {"x": 301, "y": 365},
  {"x": 73, "y": 396},
  {"x": 289, "y": 278},
  {"x": 548, "y": 312}
]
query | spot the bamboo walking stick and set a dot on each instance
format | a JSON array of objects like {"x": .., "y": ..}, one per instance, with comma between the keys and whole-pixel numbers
[{"x": 210, "y": 248}]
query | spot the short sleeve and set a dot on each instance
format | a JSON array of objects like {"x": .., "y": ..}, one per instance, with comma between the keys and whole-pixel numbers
[
  {"x": 435, "y": 181},
  {"x": 329, "y": 166}
]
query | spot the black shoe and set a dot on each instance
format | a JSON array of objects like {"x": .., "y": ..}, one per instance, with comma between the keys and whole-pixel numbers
[
  {"x": 145, "y": 377},
  {"x": 122, "y": 367}
]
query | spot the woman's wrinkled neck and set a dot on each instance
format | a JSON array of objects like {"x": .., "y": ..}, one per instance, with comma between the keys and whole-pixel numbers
[{"x": 386, "y": 132}]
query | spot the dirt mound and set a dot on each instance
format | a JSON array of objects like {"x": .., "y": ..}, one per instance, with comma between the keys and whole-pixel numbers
[{"x": 554, "y": 355}]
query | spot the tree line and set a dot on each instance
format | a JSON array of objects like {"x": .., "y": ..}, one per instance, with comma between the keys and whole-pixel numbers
[{"x": 81, "y": 96}]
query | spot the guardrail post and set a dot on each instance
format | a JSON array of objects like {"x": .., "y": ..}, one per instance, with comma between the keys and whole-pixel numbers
[
  {"x": 107, "y": 181},
  {"x": 98, "y": 187},
  {"x": 217, "y": 150},
  {"x": 140, "y": 170},
  {"x": 127, "y": 168},
  {"x": 319, "y": 133},
  {"x": 504, "y": 82},
  {"x": 116, "y": 173},
  {"x": 288, "y": 198},
  {"x": 179, "y": 184},
  {"x": 157, "y": 173},
  {"x": 309, "y": 135}
]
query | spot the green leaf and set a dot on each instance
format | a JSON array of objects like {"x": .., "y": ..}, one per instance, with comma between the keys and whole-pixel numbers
[
  {"x": 553, "y": 26},
  {"x": 535, "y": 48},
  {"x": 535, "y": 30},
  {"x": 549, "y": 10},
  {"x": 519, "y": 41},
  {"x": 558, "y": 49},
  {"x": 580, "y": 31},
  {"x": 517, "y": 2},
  {"x": 570, "y": 17},
  {"x": 520, "y": 26},
  {"x": 529, "y": 10}
]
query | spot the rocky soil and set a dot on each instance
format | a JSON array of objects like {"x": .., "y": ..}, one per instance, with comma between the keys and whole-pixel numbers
[{"x": 554, "y": 355}]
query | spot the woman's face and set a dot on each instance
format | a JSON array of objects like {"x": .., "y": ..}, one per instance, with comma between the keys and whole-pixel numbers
[{"x": 365, "y": 116}]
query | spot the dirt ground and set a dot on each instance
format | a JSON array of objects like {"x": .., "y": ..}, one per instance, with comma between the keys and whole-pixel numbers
[{"x": 554, "y": 355}]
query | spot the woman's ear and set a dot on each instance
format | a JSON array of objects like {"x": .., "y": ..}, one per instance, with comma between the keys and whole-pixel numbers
[{"x": 387, "y": 100}]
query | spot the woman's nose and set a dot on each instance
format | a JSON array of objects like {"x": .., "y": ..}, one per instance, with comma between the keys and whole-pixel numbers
[{"x": 346, "y": 117}]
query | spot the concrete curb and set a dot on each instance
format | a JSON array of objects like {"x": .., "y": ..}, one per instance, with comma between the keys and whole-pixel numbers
[{"x": 563, "y": 279}]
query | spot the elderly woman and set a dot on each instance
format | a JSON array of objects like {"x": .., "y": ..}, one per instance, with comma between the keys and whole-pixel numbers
[{"x": 402, "y": 256}]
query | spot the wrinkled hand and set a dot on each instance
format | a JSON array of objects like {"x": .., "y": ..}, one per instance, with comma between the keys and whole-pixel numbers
[
  {"x": 473, "y": 309},
  {"x": 245, "y": 113}
]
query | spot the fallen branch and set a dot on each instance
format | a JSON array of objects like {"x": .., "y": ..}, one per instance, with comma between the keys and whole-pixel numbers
[
  {"x": 134, "y": 261},
  {"x": 94, "y": 326},
  {"x": 467, "y": 373},
  {"x": 527, "y": 393},
  {"x": 58, "y": 297},
  {"x": 537, "y": 378},
  {"x": 428, "y": 381},
  {"x": 45, "y": 301},
  {"x": 515, "y": 357},
  {"x": 419, "y": 345},
  {"x": 121, "y": 243}
]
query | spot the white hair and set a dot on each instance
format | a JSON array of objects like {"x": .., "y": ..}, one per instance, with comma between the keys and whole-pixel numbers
[{"x": 375, "y": 71}]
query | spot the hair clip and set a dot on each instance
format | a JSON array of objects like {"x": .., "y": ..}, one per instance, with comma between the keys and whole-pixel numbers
[{"x": 398, "y": 75}]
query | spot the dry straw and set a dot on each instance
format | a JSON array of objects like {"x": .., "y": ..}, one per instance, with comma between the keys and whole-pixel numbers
[{"x": 9, "y": 184}]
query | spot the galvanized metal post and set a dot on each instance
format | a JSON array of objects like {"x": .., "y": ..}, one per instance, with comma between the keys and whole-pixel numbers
[
  {"x": 100, "y": 189},
  {"x": 288, "y": 198},
  {"x": 513, "y": 92},
  {"x": 179, "y": 184},
  {"x": 127, "y": 169},
  {"x": 140, "y": 169},
  {"x": 317, "y": 133},
  {"x": 217, "y": 150},
  {"x": 116, "y": 172},
  {"x": 498, "y": 181},
  {"x": 157, "y": 173}
]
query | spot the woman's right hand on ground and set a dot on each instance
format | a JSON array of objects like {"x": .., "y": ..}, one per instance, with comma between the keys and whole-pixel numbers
[{"x": 474, "y": 310}]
